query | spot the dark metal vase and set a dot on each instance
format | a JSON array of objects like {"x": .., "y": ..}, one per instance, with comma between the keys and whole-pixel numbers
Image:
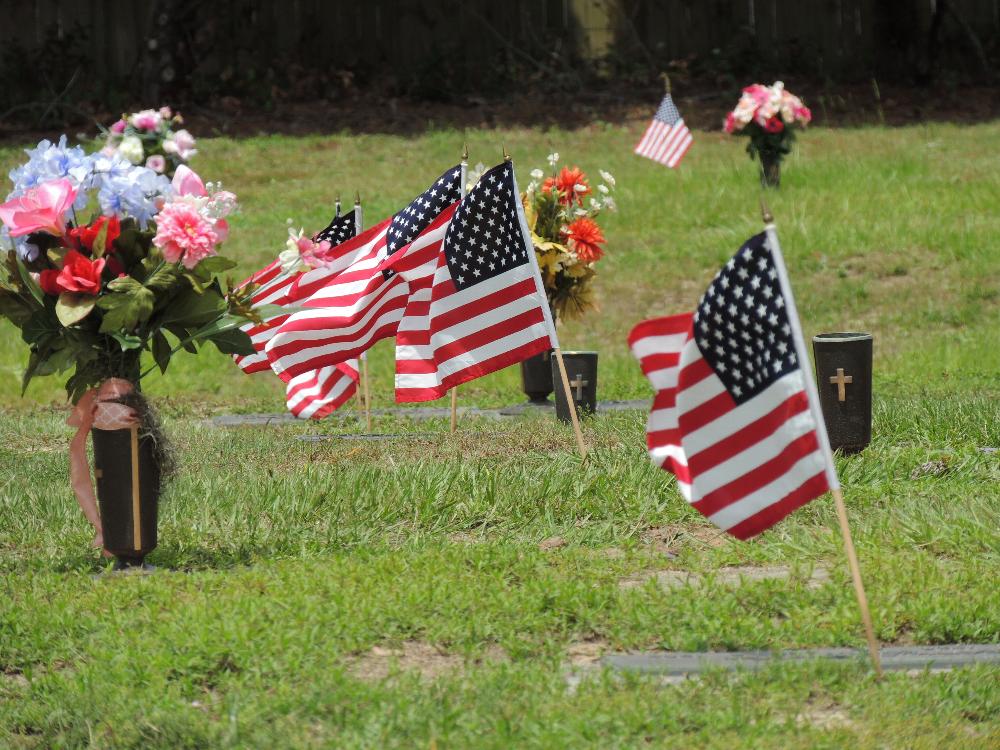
[
  {"x": 536, "y": 377},
  {"x": 844, "y": 380},
  {"x": 128, "y": 493},
  {"x": 770, "y": 169},
  {"x": 581, "y": 369}
]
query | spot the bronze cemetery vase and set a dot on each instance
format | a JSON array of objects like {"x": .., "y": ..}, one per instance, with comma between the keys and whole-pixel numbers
[
  {"x": 581, "y": 369},
  {"x": 128, "y": 493},
  {"x": 536, "y": 377},
  {"x": 844, "y": 380}
]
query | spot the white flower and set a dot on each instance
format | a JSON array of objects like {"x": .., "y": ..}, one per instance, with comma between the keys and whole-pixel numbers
[
  {"x": 607, "y": 177},
  {"x": 595, "y": 205},
  {"x": 290, "y": 259},
  {"x": 580, "y": 212},
  {"x": 603, "y": 189},
  {"x": 473, "y": 177},
  {"x": 131, "y": 149},
  {"x": 579, "y": 188},
  {"x": 537, "y": 174},
  {"x": 553, "y": 158},
  {"x": 609, "y": 203}
]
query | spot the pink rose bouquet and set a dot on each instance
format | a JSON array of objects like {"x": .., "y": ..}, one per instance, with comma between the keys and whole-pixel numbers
[
  {"x": 151, "y": 137},
  {"x": 768, "y": 115}
]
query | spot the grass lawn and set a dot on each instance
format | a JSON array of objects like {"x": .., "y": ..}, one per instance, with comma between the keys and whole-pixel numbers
[{"x": 437, "y": 590}]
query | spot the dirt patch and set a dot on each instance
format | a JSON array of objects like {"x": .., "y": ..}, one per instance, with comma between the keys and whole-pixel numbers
[
  {"x": 427, "y": 660},
  {"x": 587, "y": 653},
  {"x": 671, "y": 537},
  {"x": 733, "y": 576},
  {"x": 825, "y": 718},
  {"x": 551, "y": 543}
]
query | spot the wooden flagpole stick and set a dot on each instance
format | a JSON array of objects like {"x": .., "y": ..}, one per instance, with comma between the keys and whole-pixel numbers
[
  {"x": 461, "y": 189},
  {"x": 824, "y": 441},
  {"x": 574, "y": 417},
  {"x": 368, "y": 398},
  {"x": 547, "y": 315}
]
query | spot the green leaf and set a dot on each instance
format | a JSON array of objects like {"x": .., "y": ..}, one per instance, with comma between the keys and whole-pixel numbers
[
  {"x": 41, "y": 327},
  {"x": 214, "y": 264},
  {"x": 72, "y": 308},
  {"x": 129, "y": 305},
  {"x": 162, "y": 278},
  {"x": 196, "y": 283},
  {"x": 127, "y": 341},
  {"x": 29, "y": 283},
  {"x": 269, "y": 311},
  {"x": 233, "y": 341},
  {"x": 190, "y": 309},
  {"x": 100, "y": 241},
  {"x": 14, "y": 308},
  {"x": 57, "y": 254},
  {"x": 161, "y": 351},
  {"x": 29, "y": 372},
  {"x": 182, "y": 335}
]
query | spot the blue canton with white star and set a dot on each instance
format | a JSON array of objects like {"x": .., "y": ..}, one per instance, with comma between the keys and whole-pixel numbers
[
  {"x": 741, "y": 325},
  {"x": 407, "y": 225},
  {"x": 484, "y": 237},
  {"x": 340, "y": 229}
]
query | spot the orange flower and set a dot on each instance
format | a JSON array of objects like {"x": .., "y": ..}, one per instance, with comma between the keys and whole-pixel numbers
[
  {"x": 585, "y": 239},
  {"x": 566, "y": 185}
]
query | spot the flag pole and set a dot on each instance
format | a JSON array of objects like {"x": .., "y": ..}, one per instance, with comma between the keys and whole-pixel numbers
[
  {"x": 461, "y": 189},
  {"x": 547, "y": 314},
  {"x": 366, "y": 398},
  {"x": 824, "y": 440},
  {"x": 336, "y": 206}
]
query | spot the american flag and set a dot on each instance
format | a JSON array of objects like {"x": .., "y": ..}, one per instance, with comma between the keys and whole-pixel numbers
[
  {"x": 476, "y": 305},
  {"x": 349, "y": 311},
  {"x": 275, "y": 288},
  {"x": 731, "y": 418},
  {"x": 316, "y": 394},
  {"x": 667, "y": 138}
]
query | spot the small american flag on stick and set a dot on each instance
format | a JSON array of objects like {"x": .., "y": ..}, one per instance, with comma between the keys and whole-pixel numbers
[
  {"x": 475, "y": 305},
  {"x": 667, "y": 138},
  {"x": 734, "y": 416}
]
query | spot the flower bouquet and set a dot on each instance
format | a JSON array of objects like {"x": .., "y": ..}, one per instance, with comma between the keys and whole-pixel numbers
[
  {"x": 767, "y": 115},
  {"x": 561, "y": 211},
  {"x": 91, "y": 295},
  {"x": 148, "y": 137}
]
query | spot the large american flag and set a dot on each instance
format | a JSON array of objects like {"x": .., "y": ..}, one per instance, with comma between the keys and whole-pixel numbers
[
  {"x": 667, "y": 138},
  {"x": 476, "y": 304},
  {"x": 731, "y": 418},
  {"x": 347, "y": 312}
]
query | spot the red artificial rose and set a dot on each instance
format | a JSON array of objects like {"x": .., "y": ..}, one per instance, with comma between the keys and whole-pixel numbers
[
  {"x": 774, "y": 125},
  {"x": 86, "y": 235},
  {"x": 565, "y": 184},
  {"x": 79, "y": 275}
]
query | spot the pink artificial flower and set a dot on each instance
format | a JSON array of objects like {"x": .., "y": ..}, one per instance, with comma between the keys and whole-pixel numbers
[
  {"x": 730, "y": 125},
  {"x": 181, "y": 144},
  {"x": 147, "y": 119},
  {"x": 157, "y": 163},
  {"x": 221, "y": 230},
  {"x": 314, "y": 254},
  {"x": 803, "y": 115},
  {"x": 165, "y": 113},
  {"x": 187, "y": 182},
  {"x": 40, "y": 209},
  {"x": 184, "y": 235},
  {"x": 119, "y": 127},
  {"x": 774, "y": 125},
  {"x": 760, "y": 94}
]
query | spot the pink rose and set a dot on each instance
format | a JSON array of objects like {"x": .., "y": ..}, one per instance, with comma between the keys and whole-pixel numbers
[
  {"x": 119, "y": 127},
  {"x": 760, "y": 94},
  {"x": 40, "y": 209},
  {"x": 147, "y": 119},
  {"x": 79, "y": 275},
  {"x": 184, "y": 235},
  {"x": 730, "y": 125},
  {"x": 804, "y": 115},
  {"x": 181, "y": 144},
  {"x": 157, "y": 163},
  {"x": 165, "y": 113},
  {"x": 187, "y": 182}
]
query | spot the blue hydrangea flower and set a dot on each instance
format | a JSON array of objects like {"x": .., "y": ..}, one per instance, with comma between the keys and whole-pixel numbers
[
  {"x": 48, "y": 161},
  {"x": 26, "y": 251},
  {"x": 132, "y": 192}
]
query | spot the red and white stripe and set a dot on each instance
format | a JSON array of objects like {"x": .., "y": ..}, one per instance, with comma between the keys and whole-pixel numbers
[
  {"x": 274, "y": 285},
  {"x": 744, "y": 466},
  {"x": 448, "y": 337},
  {"x": 318, "y": 393},
  {"x": 664, "y": 143},
  {"x": 344, "y": 312}
]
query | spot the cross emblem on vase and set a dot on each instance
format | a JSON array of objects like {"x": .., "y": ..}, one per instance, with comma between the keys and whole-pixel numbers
[
  {"x": 841, "y": 381},
  {"x": 579, "y": 384}
]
